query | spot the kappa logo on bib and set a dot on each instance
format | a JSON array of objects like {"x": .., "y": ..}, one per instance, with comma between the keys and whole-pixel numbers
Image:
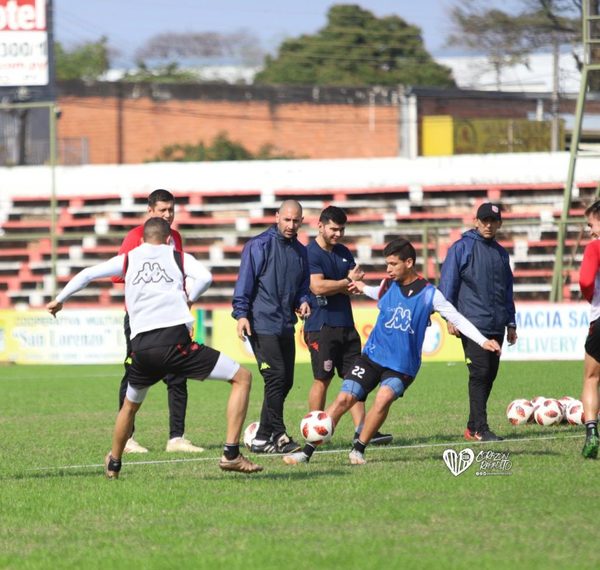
[
  {"x": 151, "y": 273},
  {"x": 458, "y": 463}
]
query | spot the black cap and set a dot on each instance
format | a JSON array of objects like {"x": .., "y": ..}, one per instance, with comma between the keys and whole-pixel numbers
[{"x": 489, "y": 210}]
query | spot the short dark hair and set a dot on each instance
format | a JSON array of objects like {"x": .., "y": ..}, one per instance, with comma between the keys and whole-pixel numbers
[
  {"x": 156, "y": 230},
  {"x": 593, "y": 210},
  {"x": 402, "y": 248},
  {"x": 333, "y": 214},
  {"x": 160, "y": 195}
]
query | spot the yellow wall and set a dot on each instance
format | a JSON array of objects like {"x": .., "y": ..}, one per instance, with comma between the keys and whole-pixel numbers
[
  {"x": 438, "y": 135},
  {"x": 443, "y": 135}
]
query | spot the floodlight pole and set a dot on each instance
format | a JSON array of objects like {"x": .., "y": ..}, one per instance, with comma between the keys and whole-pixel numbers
[
  {"x": 557, "y": 276},
  {"x": 53, "y": 201}
]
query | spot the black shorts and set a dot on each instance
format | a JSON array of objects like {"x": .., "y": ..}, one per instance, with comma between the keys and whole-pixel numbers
[
  {"x": 369, "y": 375},
  {"x": 592, "y": 342},
  {"x": 331, "y": 349},
  {"x": 152, "y": 362}
]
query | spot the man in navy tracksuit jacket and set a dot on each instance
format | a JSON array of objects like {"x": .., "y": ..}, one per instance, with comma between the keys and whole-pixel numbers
[
  {"x": 273, "y": 284},
  {"x": 477, "y": 279}
]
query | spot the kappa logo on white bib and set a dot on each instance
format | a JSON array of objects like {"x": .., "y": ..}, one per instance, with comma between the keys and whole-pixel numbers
[
  {"x": 151, "y": 273},
  {"x": 458, "y": 462}
]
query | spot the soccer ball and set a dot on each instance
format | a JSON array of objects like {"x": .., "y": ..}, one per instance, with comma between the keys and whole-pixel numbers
[
  {"x": 250, "y": 433},
  {"x": 565, "y": 402},
  {"x": 574, "y": 413},
  {"x": 549, "y": 412},
  {"x": 519, "y": 411},
  {"x": 538, "y": 400},
  {"x": 316, "y": 427}
]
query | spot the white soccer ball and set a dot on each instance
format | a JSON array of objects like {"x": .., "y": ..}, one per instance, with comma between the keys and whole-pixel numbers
[
  {"x": 250, "y": 433},
  {"x": 538, "y": 400},
  {"x": 574, "y": 413},
  {"x": 519, "y": 411},
  {"x": 316, "y": 427},
  {"x": 565, "y": 402},
  {"x": 548, "y": 413}
]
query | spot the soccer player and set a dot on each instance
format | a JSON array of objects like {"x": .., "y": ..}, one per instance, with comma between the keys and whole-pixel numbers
[
  {"x": 391, "y": 356},
  {"x": 589, "y": 282},
  {"x": 477, "y": 279},
  {"x": 160, "y": 336},
  {"x": 329, "y": 332},
  {"x": 161, "y": 204},
  {"x": 272, "y": 286}
]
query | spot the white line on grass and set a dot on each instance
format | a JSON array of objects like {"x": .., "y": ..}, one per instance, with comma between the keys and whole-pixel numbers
[{"x": 323, "y": 452}]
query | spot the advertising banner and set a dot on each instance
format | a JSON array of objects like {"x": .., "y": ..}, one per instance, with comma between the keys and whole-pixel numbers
[
  {"x": 23, "y": 43},
  {"x": 438, "y": 346},
  {"x": 550, "y": 331},
  {"x": 84, "y": 336},
  {"x": 546, "y": 331}
]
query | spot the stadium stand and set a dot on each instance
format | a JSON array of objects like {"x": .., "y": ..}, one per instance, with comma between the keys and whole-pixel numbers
[{"x": 216, "y": 224}]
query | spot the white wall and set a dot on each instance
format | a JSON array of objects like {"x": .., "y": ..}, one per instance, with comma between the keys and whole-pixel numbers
[{"x": 301, "y": 174}]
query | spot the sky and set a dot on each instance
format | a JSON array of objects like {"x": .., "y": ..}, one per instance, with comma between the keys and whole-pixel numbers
[{"x": 129, "y": 23}]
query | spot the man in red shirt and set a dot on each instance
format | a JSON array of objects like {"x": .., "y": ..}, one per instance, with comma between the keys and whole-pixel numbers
[
  {"x": 161, "y": 204},
  {"x": 589, "y": 282}
]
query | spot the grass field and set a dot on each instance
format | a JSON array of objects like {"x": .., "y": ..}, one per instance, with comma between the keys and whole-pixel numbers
[{"x": 404, "y": 509}]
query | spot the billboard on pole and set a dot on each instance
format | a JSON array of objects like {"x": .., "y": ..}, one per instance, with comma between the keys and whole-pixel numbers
[{"x": 24, "y": 43}]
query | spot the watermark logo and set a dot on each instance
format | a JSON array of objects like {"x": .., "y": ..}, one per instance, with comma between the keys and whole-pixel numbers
[
  {"x": 487, "y": 462},
  {"x": 458, "y": 462},
  {"x": 493, "y": 463}
]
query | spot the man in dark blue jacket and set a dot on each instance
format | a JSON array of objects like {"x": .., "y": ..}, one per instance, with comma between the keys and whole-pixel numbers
[
  {"x": 273, "y": 284},
  {"x": 476, "y": 278}
]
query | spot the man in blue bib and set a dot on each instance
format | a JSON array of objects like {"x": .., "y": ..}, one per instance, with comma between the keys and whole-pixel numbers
[{"x": 391, "y": 356}]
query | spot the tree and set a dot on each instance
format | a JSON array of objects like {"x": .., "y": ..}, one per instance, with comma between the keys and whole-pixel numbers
[
  {"x": 221, "y": 148},
  {"x": 508, "y": 39},
  {"x": 356, "y": 48},
  {"x": 240, "y": 47},
  {"x": 548, "y": 21},
  {"x": 498, "y": 35},
  {"x": 87, "y": 61}
]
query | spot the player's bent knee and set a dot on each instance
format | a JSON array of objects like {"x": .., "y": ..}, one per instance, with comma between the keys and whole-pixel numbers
[
  {"x": 243, "y": 377},
  {"x": 352, "y": 389},
  {"x": 131, "y": 407},
  {"x": 395, "y": 388}
]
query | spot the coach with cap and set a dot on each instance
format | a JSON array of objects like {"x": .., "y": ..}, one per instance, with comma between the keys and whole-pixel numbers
[{"x": 477, "y": 279}]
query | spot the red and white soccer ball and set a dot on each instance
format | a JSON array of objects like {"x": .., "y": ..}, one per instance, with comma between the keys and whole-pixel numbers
[
  {"x": 574, "y": 413},
  {"x": 250, "y": 433},
  {"x": 519, "y": 411},
  {"x": 565, "y": 402},
  {"x": 548, "y": 413},
  {"x": 316, "y": 427},
  {"x": 538, "y": 401}
]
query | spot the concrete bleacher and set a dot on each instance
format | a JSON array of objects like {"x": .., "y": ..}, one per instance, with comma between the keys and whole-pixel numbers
[
  {"x": 91, "y": 230},
  {"x": 383, "y": 199}
]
